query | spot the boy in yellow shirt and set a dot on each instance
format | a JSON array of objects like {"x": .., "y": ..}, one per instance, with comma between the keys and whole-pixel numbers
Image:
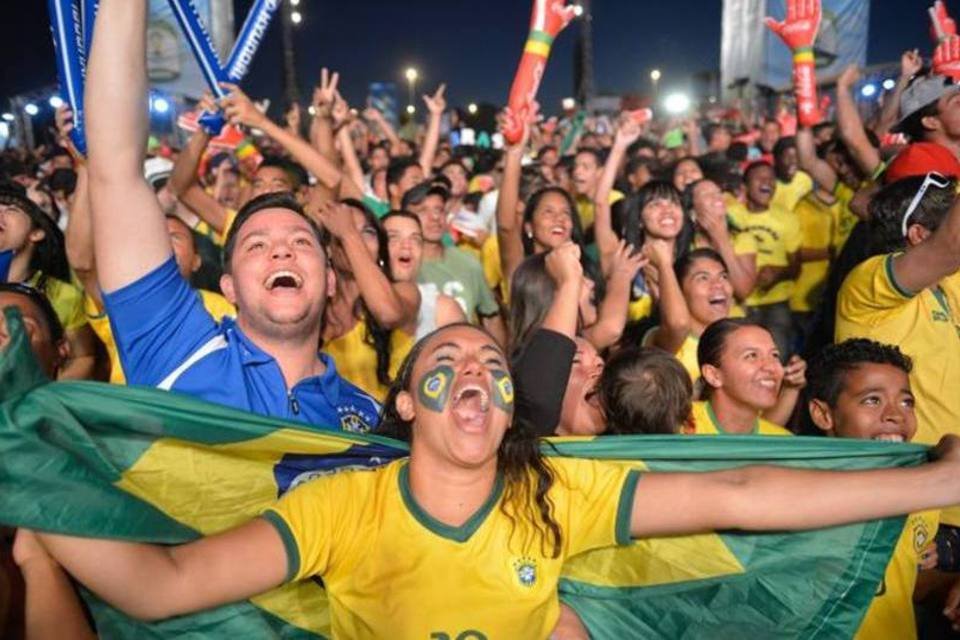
[{"x": 861, "y": 389}]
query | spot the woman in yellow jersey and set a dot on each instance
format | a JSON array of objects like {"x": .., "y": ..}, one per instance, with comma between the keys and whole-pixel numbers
[
  {"x": 707, "y": 296},
  {"x": 744, "y": 380},
  {"x": 713, "y": 228},
  {"x": 40, "y": 260},
  {"x": 546, "y": 220},
  {"x": 364, "y": 321},
  {"x": 467, "y": 537}
]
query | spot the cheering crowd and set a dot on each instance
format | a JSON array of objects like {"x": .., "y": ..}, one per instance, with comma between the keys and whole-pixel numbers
[{"x": 724, "y": 274}]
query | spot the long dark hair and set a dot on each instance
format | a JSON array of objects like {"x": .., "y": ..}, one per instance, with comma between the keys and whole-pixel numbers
[
  {"x": 527, "y": 477},
  {"x": 628, "y": 214},
  {"x": 376, "y": 335},
  {"x": 531, "y": 295},
  {"x": 590, "y": 267}
]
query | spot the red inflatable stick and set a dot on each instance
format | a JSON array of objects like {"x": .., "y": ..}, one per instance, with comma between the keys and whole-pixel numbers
[
  {"x": 548, "y": 19},
  {"x": 946, "y": 58},
  {"x": 942, "y": 26},
  {"x": 798, "y": 32}
]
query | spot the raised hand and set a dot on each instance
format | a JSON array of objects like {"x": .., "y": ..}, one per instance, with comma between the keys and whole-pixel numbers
[
  {"x": 340, "y": 112},
  {"x": 626, "y": 262},
  {"x": 629, "y": 129},
  {"x": 942, "y": 26},
  {"x": 563, "y": 263},
  {"x": 436, "y": 104},
  {"x": 239, "y": 109},
  {"x": 799, "y": 30},
  {"x": 292, "y": 117},
  {"x": 795, "y": 373},
  {"x": 325, "y": 93},
  {"x": 522, "y": 122},
  {"x": 336, "y": 218},
  {"x": 910, "y": 63},
  {"x": 849, "y": 76},
  {"x": 946, "y": 57}
]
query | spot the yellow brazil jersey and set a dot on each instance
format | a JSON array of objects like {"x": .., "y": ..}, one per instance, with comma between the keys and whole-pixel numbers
[
  {"x": 393, "y": 571},
  {"x": 215, "y": 304},
  {"x": 816, "y": 220},
  {"x": 891, "y": 613},
  {"x": 777, "y": 234},
  {"x": 218, "y": 239},
  {"x": 356, "y": 357},
  {"x": 788, "y": 194},
  {"x": 586, "y": 208},
  {"x": 686, "y": 354},
  {"x": 703, "y": 422},
  {"x": 65, "y": 298},
  {"x": 872, "y": 305},
  {"x": 844, "y": 219},
  {"x": 490, "y": 259}
]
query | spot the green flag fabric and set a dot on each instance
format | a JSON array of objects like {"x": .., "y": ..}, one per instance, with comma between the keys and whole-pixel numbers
[{"x": 140, "y": 464}]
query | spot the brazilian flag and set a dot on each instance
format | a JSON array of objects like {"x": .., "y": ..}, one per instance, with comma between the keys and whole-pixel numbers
[{"x": 139, "y": 464}]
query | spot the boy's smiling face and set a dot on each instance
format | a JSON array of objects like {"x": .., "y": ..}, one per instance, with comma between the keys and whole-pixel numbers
[{"x": 875, "y": 403}]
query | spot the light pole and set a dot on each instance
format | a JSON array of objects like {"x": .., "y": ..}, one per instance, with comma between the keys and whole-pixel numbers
[
  {"x": 655, "y": 78},
  {"x": 412, "y": 75}
]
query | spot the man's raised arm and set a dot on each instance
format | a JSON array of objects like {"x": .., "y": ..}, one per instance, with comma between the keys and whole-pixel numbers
[{"x": 130, "y": 236}]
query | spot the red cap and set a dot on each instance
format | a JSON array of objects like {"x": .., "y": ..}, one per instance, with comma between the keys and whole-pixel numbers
[{"x": 919, "y": 159}]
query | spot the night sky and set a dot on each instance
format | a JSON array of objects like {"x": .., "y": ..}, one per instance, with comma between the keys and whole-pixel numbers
[{"x": 473, "y": 46}]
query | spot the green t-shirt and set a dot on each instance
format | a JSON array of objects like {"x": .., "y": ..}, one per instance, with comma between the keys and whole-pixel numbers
[{"x": 460, "y": 276}]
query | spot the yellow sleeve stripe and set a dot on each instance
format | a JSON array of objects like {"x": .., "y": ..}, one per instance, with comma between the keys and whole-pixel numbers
[
  {"x": 625, "y": 507},
  {"x": 537, "y": 48},
  {"x": 289, "y": 543}
]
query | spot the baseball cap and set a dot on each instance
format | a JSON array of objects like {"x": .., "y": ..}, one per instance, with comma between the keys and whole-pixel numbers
[
  {"x": 921, "y": 158},
  {"x": 157, "y": 171},
  {"x": 923, "y": 91},
  {"x": 419, "y": 193}
]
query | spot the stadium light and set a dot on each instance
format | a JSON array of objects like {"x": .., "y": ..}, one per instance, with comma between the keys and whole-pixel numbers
[
  {"x": 676, "y": 103},
  {"x": 869, "y": 90},
  {"x": 8, "y": 117},
  {"x": 296, "y": 17},
  {"x": 294, "y": 3},
  {"x": 411, "y": 109},
  {"x": 577, "y": 10},
  {"x": 472, "y": 107},
  {"x": 31, "y": 109},
  {"x": 889, "y": 84},
  {"x": 160, "y": 105},
  {"x": 655, "y": 75},
  {"x": 55, "y": 101}
]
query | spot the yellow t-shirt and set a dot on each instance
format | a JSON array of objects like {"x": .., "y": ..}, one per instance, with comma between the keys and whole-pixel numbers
[
  {"x": 218, "y": 239},
  {"x": 356, "y": 358},
  {"x": 872, "y": 305},
  {"x": 777, "y": 234},
  {"x": 490, "y": 259},
  {"x": 891, "y": 613},
  {"x": 788, "y": 194},
  {"x": 844, "y": 220},
  {"x": 65, "y": 298},
  {"x": 703, "y": 422},
  {"x": 686, "y": 354},
  {"x": 393, "y": 571},
  {"x": 586, "y": 208},
  {"x": 215, "y": 304},
  {"x": 816, "y": 230}
]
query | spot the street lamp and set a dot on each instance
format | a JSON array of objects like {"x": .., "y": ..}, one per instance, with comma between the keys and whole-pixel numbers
[
  {"x": 472, "y": 108},
  {"x": 55, "y": 101},
  {"x": 31, "y": 109},
  {"x": 412, "y": 75},
  {"x": 655, "y": 78}
]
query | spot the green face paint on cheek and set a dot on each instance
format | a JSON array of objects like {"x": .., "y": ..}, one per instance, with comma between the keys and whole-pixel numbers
[
  {"x": 502, "y": 390},
  {"x": 434, "y": 388}
]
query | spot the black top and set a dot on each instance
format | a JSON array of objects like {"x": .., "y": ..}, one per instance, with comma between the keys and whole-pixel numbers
[{"x": 540, "y": 373}]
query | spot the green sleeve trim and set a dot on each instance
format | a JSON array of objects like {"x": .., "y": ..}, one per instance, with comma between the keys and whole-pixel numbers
[
  {"x": 625, "y": 507},
  {"x": 289, "y": 543},
  {"x": 891, "y": 276}
]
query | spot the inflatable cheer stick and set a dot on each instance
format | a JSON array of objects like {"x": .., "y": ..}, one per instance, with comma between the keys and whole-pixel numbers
[
  {"x": 798, "y": 32},
  {"x": 249, "y": 38},
  {"x": 942, "y": 26},
  {"x": 69, "y": 46},
  {"x": 549, "y": 17}
]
